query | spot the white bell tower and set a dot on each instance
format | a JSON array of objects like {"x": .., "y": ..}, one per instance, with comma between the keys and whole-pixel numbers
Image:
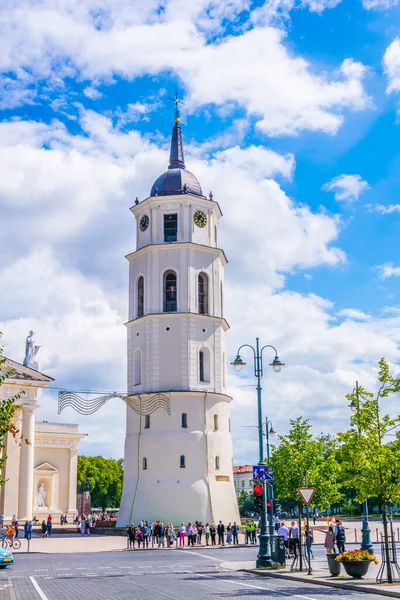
[{"x": 178, "y": 447}]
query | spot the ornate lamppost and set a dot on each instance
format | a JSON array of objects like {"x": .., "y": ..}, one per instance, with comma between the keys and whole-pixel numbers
[
  {"x": 264, "y": 554},
  {"x": 269, "y": 431}
]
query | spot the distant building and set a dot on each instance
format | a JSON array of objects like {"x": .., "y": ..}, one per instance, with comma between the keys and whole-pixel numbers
[{"x": 243, "y": 478}]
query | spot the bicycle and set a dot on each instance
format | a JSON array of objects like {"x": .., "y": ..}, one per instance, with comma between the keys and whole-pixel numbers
[{"x": 14, "y": 544}]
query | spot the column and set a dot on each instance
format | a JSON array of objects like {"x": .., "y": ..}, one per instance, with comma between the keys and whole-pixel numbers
[
  {"x": 73, "y": 474},
  {"x": 26, "y": 466}
]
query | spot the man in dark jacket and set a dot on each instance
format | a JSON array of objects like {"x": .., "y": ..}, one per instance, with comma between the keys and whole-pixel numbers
[
  {"x": 221, "y": 531},
  {"x": 235, "y": 533}
]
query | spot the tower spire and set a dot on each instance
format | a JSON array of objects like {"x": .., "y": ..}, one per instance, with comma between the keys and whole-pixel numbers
[{"x": 176, "y": 158}]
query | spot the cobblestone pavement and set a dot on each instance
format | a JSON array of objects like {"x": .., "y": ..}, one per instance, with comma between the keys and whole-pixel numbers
[{"x": 153, "y": 575}]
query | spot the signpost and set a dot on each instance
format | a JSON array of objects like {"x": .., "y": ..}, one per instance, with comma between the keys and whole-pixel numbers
[
  {"x": 261, "y": 473},
  {"x": 307, "y": 493}
]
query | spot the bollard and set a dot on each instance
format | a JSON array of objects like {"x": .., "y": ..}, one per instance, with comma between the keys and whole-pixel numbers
[
  {"x": 377, "y": 540},
  {"x": 398, "y": 538},
  {"x": 355, "y": 534},
  {"x": 29, "y": 544},
  {"x": 152, "y": 541}
]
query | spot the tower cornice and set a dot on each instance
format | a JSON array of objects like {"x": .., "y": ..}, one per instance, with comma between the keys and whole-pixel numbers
[
  {"x": 184, "y": 393},
  {"x": 165, "y": 245},
  {"x": 175, "y": 315},
  {"x": 200, "y": 201}
]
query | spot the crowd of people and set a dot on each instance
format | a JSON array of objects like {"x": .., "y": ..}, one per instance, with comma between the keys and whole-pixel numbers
[{"x": 191, "y": 534}]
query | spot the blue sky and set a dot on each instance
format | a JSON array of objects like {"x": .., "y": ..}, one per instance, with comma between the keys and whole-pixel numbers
[{"x": 290, "y": 117}]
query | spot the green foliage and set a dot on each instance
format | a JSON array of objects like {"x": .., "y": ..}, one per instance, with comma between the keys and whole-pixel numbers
[
  {"x": 298, "y": 452},
  {"x": 105, "y": 476},
  {"x": 245, "y": 503},
  {"x": 370, "y": 464},
  {"x": 7, "y": 414}
]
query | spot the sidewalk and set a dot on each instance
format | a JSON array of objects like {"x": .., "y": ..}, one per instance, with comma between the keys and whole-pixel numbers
[{"x": 321, "y": 576}]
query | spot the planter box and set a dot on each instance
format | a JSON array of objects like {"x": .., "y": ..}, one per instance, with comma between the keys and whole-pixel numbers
[
  {"x": 333, "y": 564},
  {"x": 356, "y": 569}
]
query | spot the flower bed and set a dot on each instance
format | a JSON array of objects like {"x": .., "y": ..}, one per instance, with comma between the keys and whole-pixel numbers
[{"x": 356, "y": 556}]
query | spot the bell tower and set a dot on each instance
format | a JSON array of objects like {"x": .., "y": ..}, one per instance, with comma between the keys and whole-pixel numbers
[{"x": 178, "y": 447}]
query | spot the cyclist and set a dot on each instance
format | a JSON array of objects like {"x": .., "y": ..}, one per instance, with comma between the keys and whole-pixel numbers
[{"x": 10, "y": 533}]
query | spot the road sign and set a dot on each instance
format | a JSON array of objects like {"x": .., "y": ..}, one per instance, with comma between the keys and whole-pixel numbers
[
  {"x": 306, "y": 494},
  {"x": 261, "y": 473}
]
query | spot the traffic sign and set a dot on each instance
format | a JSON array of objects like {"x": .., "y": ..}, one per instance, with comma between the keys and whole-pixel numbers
[
  {"x": 306, "y": 494},
  {"x": 261, "y": 473}
]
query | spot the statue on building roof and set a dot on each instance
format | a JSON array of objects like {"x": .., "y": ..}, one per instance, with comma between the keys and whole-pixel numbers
[{"x": 31, "y": 349}]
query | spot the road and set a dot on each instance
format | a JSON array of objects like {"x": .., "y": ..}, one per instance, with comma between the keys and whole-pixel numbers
[{"x": 153, "y": 575}]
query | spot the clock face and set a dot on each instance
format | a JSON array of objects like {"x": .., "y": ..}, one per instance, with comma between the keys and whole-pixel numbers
[
  {"x": 144, "y": 223},
  {"x": 200, "y": 218}
]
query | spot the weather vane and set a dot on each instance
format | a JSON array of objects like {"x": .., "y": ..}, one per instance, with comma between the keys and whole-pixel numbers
[{"x": 177, "y": 101}]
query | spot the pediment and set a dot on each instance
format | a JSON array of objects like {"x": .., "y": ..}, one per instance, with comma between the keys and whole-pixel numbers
[
  {"x": 46, "y": 466},
  {"x": 19, "y": 372}
]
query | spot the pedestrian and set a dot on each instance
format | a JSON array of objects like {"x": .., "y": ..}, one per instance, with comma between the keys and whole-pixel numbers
[
  {"x": 83, "y": 524},
  {"x": 181, "y": 532},
  {"x": 277, "y": 523},
  {"x": 29, "y": 531},
  {"x": 87, "y": 526},
  {"x": 149, "y": 532},
  {"x": 26, "y": 529},
  {"x": 131, "y": 535},
  {"x": 16, "y": 529},
  {"x": 284, "y": 532},
  {"x": 253, "y": 532},
  {"x": 229, "y": 534},
  {"x": 13, "y": 520},
  {"x": 314, "y": 519},
  {"x": 49, "y": 525},
  {"x": 199, "y": 532},
  {"x": 329, "y": 542},
  {"x": 248, "y": 532},
  {"x": 235, "y": 533},
  {"x": 340, "y": 536},
  {"x": 309, "y": 538},
  {"x": 213, "y": 532},
  {"x": 170, "y": 535},
  {"x": 221, "y": 531},
  {"x": 294, "y": 541},
  {"x": 189, "y": 533},
  {"x": 207, "y": 533},
  {"x": 139, "y": 537},
  {"x": 44, "y": 529}
]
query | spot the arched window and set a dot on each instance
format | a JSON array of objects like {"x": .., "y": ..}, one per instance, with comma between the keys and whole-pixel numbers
[
  {"x": 137, "y": 368},
  {"x": 215, "y": 422},
  {"x": 217, "y": 462},
  {"x": 140, "y": 296},
  {"x": 204, "y": 365},
  {"x": 147, "y": 421},
  {"x": 203, "y": 293},
  {"x": 144, "y": 463},
  {"x": 182, "y": 461},
  {"x": 184, "y": 420},
  {"x": 170, "y": 304}
]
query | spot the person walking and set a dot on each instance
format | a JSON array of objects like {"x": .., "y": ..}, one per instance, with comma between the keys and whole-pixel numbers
[
  {"x": 221, "y": 531},
  {"x": 248, "y": 532},
  {"x": 181, "y": 532},
  {"x": 44, "y": 529},
  {"x": 49, "y": 525},
  {"x": 213, "y": 532},
  {"x": 340, "y": 535},
  {"x": 294, "y": 541},
  {"x": 16, "y": 528},
  {"x": 309, "y": 538},
  {"x": 284, "y": 532},
  {"x": 329, "y": 542},
  {"x": 235, "y": 533},
  {"x": 170, "y": 535},
  {"x": 146, "y": 530},
  {"x": 131, "y": 535},
  {"x": 207, "y": 533},
  {"x": 139, "y": 537},
  {"x": 229, "y": 534},
  {"x": 189, "y": 532},
  {"x": 199, "y": 532},
  {"x": 25, "y": 529},
  {"x": 29, "y": 531},
  {"x": 83, "y": 524}
]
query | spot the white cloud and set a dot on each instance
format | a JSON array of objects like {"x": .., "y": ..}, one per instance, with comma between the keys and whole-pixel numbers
[
  {"x": 391, "y": 63},
  {"x": 319, "y": 6},
  {"x": 388, "y": 270},
  {"x": 260, "y": 162},
  {"x": 284, "y": 92},
  {"x": 354, "y": 313},
  {"x": 386, "y": 210},
  {"x": 379, "y": 4},
  {"x": 92, "y": 93},
  {"x": 346, "y": 187}
]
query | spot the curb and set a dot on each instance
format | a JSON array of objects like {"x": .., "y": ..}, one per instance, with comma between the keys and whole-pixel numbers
[{"x": 333, "y": 584}]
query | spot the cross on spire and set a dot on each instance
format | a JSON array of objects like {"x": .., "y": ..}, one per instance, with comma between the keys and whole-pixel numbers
[
  {"x": 177, "y": 101},
  {"x": 176, "y": 158}
]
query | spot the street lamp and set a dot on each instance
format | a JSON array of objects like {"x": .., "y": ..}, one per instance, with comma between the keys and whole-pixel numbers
[
  {"x": 264, "y": 554},
  {"x": 365, "y": 530}
]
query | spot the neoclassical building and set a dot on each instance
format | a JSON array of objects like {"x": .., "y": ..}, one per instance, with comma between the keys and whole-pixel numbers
[
  {"x": 178, "y": 447},
  {"x": 40, "y": 475}
]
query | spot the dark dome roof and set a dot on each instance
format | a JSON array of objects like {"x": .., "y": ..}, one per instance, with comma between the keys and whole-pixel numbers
[{"x": 176, "y": 181}]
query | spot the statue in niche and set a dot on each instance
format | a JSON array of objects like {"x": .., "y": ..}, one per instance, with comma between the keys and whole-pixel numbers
[
  {"x": 30, "y": 349},
  {"x": 41, "y": 496}
]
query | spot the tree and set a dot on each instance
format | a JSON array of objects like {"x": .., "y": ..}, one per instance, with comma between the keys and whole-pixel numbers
[
  {"x": 300, "y": 452},
  {"x": 105, "y": 476},
  {"x": 8, "y": 410},
  {"x": 245, "y": 503},
  {"x": 370, "y": 464}
]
